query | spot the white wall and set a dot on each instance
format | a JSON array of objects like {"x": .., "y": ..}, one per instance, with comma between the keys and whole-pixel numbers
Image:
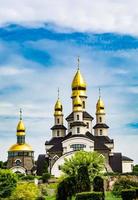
[{"x": 127, "y": 166}]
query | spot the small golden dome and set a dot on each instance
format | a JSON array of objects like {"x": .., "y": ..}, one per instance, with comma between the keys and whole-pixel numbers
[
  {"x": 58, "y": 108},
  {"x": 78, "y": 81},
  {"x": 77, "y": 104},
  {"x": 58, "y": 105},
  {"x": 20, "y": 128},
  {"x": 20, "y": 147},
  {"x": 100, "y": 106}
]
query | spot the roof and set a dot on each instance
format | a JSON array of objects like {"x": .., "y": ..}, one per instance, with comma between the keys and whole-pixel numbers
[
  {"x": 100, "y": 126},
  {"x": 125, "y": 158},
  {"x": 85, "y": 115},
  {"x": 77, "y": 123},
  {"x": 20, "y": 147},
  {"x": 54, "y": 140},
  {"x": 115, "y": 162},
  {"x": 58, "y": 127},
  {"x": 76, "y": 135}
]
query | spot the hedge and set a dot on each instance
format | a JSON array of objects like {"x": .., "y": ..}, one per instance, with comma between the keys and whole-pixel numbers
[
  {"x": 128, "y": 194},
  {"x": 90, "y": 196}
]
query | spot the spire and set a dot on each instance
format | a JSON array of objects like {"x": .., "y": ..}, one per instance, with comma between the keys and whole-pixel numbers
[
  {"x": 99, "y": 93},
  {"x": 20, "y": 114},
  {"x": 20, "y": 126},
  {"x": 78, "y": 62},
  {"x": 58, "y": 93}
]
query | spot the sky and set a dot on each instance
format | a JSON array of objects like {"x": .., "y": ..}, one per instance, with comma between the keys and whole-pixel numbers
[{"x": 39, "y": 45}]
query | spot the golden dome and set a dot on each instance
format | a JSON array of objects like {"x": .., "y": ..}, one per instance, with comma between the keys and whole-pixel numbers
[
  {"x": 100, "y": 106},
  {"x": 77, "y": 104},
  {"x": 58, "y": 108},
  {"x": 21, "y": 147},
  {"x": 20, "y": 128},
  {"x": 78, "y": 81}
]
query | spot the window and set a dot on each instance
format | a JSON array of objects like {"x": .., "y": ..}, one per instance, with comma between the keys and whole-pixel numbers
[
  {"x": 83, "y": 104},
  {"x": 101, "y": 131},
  {"x": 78, "y": 130},
  {"x": 58, "y": 120},
  {"x": 58, "y": 133},
  {"x": 77, "y": 117},
  {"x": 100, "y": 119},
  {"x": 77, "y": 147},
  {"x": 18, "y": 162},
  {"x": 87, "y": 124}
]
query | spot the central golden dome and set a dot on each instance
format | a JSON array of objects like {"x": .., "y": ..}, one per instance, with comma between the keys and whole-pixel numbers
[
  {"x": 20, "y": 128},
  {"x": 78, "y": 81},
  {"x": 21, "y": 147}
]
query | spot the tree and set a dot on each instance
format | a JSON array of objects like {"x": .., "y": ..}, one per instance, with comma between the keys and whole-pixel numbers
[
  {"x": 25, "y": 191},
  {"x": 3, "y": 165},
  {"x": 135, "y": 169},
  {"x": 8, "y": 182},
  {"x": 98, "y": 185},
  {"x": 93, "y": 161}
]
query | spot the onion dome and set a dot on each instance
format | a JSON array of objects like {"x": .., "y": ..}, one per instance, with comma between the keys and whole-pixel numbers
[
  {"x": 77, "y": 104},
  {"x": 100, "y": 109},
  {"x": 20, "y": 147},
  {"x": 78, "y": 81},
  {"x": 58, "y": 108}
]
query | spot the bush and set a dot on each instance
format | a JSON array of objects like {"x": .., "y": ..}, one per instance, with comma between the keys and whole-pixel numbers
[
  {"x": 25, "y": 191},
  {"x": 66, "y": 188},
  {"x": 98, "y": 185},
  {"x": 123, "y": 184},
  {"x": 8, "y": 182},
  {"x": 136, "y": 189},
  {"x": 28, "y": 177},
  {"x": 128, "y": 194},
  {"x": 45, "y": 177},
  {"x": 83, "y": 181},
  {"x": 89, "y": 196}
]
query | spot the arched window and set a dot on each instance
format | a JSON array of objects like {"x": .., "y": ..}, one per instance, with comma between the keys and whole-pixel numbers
[
  {"x": 101, "y": 131},
  {"x": 100, "y": 119},
  {"x": 57, "y": 133},
  {"x": 58, "y": 120},
  {"x": 77, "y": 117},
  {"x": 77, "y": 147},
  {"x": 87, "y": 124},
  {"x": 78, "y": 130}
]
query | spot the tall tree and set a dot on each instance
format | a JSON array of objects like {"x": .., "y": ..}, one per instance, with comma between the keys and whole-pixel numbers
[{"x": 93, "y": 161}]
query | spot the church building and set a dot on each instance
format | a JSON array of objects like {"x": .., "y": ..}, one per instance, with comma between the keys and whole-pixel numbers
[
  {"x": 81, "y": 133},
  {"x": 21, "y": 155}
]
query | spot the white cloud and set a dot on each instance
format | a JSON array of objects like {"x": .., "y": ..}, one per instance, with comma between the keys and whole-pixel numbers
[{"x": 80, "y": 15}]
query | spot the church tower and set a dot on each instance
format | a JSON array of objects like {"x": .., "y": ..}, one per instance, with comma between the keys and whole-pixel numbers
[
  {"x": 100, "y": 129},
  {"x": 58, "y": 130},
  {"x": 21, "y": 155}
]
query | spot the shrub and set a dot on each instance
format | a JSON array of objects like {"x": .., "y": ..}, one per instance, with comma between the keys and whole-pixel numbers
[
  {"x": 128, "y": 194},
  {"x": 66, "y": 188},
  {"x": 45, "y": 177},
  {"x": 25, "y": 191},
  {"x": 98, "y": 185},
  {"x": 28, "y": 177},
  {"x": 123, "y": 184},
  {"x": 83, "y": 181},
  {"x": 89, "y": 196},
  {"x": 136, "y": 189},
  {"x": 8, "y": 182}
]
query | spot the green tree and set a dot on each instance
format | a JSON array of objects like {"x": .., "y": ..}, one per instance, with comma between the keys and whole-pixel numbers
[
  {"x": 93, "y": 161},
  {"x": 25, "y": 191},
  {"x": 3, "y": 165},
  {"x": 8, "y": 182}
]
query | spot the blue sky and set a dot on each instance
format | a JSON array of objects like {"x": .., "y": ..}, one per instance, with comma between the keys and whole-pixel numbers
[{"x": 38, "y": 54}]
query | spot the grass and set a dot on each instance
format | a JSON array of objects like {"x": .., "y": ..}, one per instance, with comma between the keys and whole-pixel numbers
[{"x": 109, "y": 196}]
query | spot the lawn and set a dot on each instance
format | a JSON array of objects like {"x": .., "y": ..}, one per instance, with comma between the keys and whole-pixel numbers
[{"x": 109, "y": 196}]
